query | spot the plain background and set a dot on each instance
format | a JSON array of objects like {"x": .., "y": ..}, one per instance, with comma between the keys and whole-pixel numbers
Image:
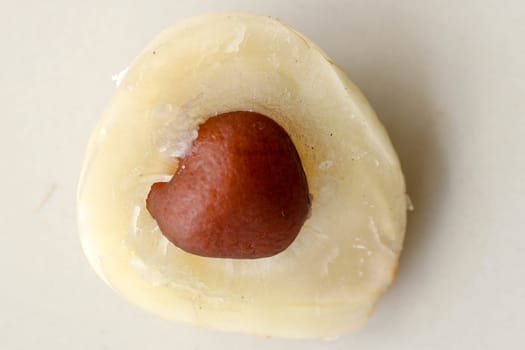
[{"x": 446, "y": 77}]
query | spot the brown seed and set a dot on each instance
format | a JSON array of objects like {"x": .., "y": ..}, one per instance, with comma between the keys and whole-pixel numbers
[{"x": 240, "y": 192}]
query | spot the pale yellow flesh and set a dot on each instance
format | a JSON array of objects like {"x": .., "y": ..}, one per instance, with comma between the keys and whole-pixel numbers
[{"x": 327, "y": 282}]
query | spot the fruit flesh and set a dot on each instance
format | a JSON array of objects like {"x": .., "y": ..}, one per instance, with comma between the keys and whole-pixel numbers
[
  {"x": 345, "y": 256},
  {"x": 240, "y": 192}
]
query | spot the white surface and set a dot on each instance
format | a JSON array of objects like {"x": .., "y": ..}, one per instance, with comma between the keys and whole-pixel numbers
[{"x": 446, "y": 77}]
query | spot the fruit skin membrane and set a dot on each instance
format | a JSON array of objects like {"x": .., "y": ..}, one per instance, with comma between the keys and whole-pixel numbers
[{"x": 345, "y": 256}]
